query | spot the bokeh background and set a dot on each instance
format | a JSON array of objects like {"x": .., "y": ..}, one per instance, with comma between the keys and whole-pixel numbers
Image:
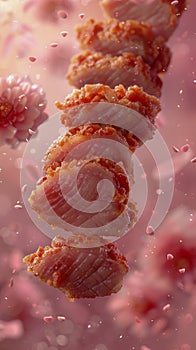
[{"x": 153, "y": 311}]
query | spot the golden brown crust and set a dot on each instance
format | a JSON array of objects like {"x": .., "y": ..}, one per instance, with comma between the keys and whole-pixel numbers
[
  {"x": 113, "y": 30},
  {"x": 62, "y": 146},
  {"x": 114, "y": 37},
  {"x": 134, "y": 97},
  {"x": 161, "y": 15},
  {"x": 57, "y": 265},
  {"x": 127, "y": 69}
]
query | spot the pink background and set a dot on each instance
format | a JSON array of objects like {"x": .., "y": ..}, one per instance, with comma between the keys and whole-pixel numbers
[{"x": 89, "y": 324}]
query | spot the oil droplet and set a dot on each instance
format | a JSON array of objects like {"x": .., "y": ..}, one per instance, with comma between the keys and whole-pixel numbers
[
  {"x": 185, "y": 148},
  {"x": 170, "y": 256},
  {"x": 64, "y": 33},
  {"x": 166, "y": 307},
  {"x": 32, "y": 58},
  {"x": 175, "y": 149},
  {"x": 193, "y": 160},
  {"x": 53, "y": 44},
  {"x": 48, "y": 319},
  {"x": 159, "y": 191},
  {"x": 182, "y": 270},
  {"x": 18, "y": 206},
  {"x": 11, "y": 282},
  {"x": 150, "y": 230},
  {"x": 31, "y": 132},
  {"x": 24, "y": 187},
  {"x": 62, "y": 14},
  {"x": 61, "y": 318}
]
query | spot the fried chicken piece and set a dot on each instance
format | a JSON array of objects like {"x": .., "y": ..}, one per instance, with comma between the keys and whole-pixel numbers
[
  {"x": 127, "y": 69},
  {"x": 67, "y": 197},
  {"x": 79, "y": 272},
  {"x": 134, "y": 97},
  {"x": 159, "y": 14},
  {"x": 115, "y": 37},
  {"x": 61, "y": 147}
]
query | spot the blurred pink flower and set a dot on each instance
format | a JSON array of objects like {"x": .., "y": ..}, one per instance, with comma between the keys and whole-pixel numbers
[
  {"x": 140, "y": 304},
  {"x": 22, "y": 106},
  {"x": 20, "y": 39},
  {"x": 12, "y": 329},
  {"x": 171, "y": 253},
  {"x": 49, "y": 10}
]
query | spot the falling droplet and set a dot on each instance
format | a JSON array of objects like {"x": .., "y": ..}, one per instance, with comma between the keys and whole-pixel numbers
[
  {"x": 24, "y": 187},
  {"x": 61, "y": 318},
  {"x": 32, "y": 58},
  {"x": 175, "y": 149},
  {"x": 193, "y": 160},
  {"x": 185, "y": 148},
  {"x": 31, "y": 132},
  {"x": 11, "y": 282},
  {"x": 18, "y": 206},
  {"x": 166, "y": 307},
  {"x": 48, "y": 319},
  {"x": 64, "y": 33},
  {"x": 170, "y": 256},
  {"x": 182, "y": 270},
  {"x": 150, "y": 231},
  {"x": 62, "y": 14},
  {"x": 53, "y": 44}
]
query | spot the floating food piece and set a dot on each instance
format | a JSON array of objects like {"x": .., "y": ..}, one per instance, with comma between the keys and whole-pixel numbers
[
  {"x": 86, "y": 265},
  {"x": 125, "y": 69},
  {"x": 61, "y": 147},
  {"x": 79, "y": 272},
  {"x": 56, "y": 196},
  {"x": 134, "y": 97},
  {"x": 115, "y": 37},
  {"x": 159, "y": 14}
]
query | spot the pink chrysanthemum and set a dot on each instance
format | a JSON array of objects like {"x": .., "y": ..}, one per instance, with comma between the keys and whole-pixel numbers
[
  {"x": 140, "y": 304},
  {"x": 49, "y": 10},
  {"x": 171, "y": 253},
  {"x": 22, "y": 106},
  {"x": 19, "y": 39}
]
